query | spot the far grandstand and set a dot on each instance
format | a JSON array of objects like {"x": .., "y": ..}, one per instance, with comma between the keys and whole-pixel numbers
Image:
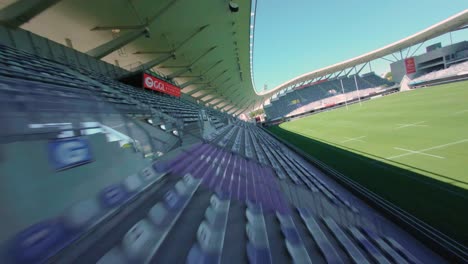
[
  {"x": 437, "y": 65},
  {"x": 325, "y": 94},
  {"x": 410, "y": 148},
  {"x": 401, "y": 135}
]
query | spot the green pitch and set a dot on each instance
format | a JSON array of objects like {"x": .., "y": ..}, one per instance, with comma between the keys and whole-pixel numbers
[{"x": 410, "y": 147}]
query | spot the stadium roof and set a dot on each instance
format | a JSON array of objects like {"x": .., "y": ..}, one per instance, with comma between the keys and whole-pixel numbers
[
  {"x": 452, "y": 23},
  {"x": 201, "y": 45}
]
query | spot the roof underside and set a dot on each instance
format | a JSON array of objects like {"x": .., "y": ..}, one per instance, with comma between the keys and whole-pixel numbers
[{"x": 211, "y": 45}]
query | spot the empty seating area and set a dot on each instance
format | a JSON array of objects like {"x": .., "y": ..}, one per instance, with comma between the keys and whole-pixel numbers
[
  {"x": 175, "y": 108},
  {"x": 253, "y": 143},
  {"x": 287, "y": 102},
  {"x": 50, "y": 84},
  {"x": 209, "y": 202},
  {"x": 240, "y": 196},
  {"x": 452, "y": 71}
]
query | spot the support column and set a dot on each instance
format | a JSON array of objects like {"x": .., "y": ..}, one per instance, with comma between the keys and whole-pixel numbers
[
  {"x": 117, "y": 43},
  {"x": 238, "y": 112},
  {"x": 230, "y": 108},
  {"x": 182, "y": 86},
  {"x": 220, "y": 103},
  {"x": 22, "y": 11},
  {"x": 194, "y": 91},
  {"x": 179, "y": 72},
  {"x": 202, "y": 95},
  {"x": 211, "y": 99},
  {"x": 232, "y": 111},
  {"x": 157, "y": 61}
]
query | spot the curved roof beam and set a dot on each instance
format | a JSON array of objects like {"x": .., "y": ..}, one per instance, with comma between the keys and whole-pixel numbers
[
  {"x": 22, "y": 11},
  {"x": 450, "y": 24}
]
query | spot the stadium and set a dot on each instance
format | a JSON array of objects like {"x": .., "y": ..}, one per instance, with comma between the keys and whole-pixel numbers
[{"x": 133, "y": 132}]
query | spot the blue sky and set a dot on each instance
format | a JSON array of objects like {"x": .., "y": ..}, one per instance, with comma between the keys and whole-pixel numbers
[{"x": 297, "y": 36}]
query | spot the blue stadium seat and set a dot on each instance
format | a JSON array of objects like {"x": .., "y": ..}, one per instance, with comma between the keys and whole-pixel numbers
[
  {"x": 293, "y": 241},
  {"x": 258, "y": 255},
  {"x": 349, "y": 246},
  {"x": 148, "y": 174},
  {"x": 385, "y": 247},
  {"x": 159, "y": 215},
  {"x": 113, "y": 256},
  {"x": 198, "y": 256},
  {"x": 138, "y": 241},
  {"x": 113, "y": 196},
  {"x": 81, "y": 214},
  {"x": 326, "y": 248},
  {"x": 258, "y": 246},
  {"x": 406, "y": 253},
  {"x": 39, "y": 241},
  {"x": 209, "y": 239},
  {"x": 133, "y": 183},
  {"x": 173, "y": 200},
  {"x": 368, "y": 246},
  {"x": 160, "y": 167}
]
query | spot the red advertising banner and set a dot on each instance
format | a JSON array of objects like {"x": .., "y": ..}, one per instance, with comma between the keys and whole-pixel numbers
[
  {"x": 156, "y": 84},
  {"x": 410, "y": 65}
]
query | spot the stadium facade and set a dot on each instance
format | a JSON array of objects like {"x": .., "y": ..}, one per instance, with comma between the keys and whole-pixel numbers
[{"x": 435, "y": 58}]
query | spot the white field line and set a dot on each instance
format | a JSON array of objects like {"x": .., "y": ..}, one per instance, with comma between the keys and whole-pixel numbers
[
  {"x": 417, "y": 124},
  {"x": 354, "y": 139},
  {"x": 431, "y": 148},
  {"x": 420, "y": 153},
  {"x": 461, "y": 112}
]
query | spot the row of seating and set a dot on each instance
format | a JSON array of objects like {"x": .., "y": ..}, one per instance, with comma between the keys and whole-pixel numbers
[
  {"x": 286, "y": 102},
  {"x": 230, "y": 178},
  {"x": 86, "y": 88},
  {"x": 258, "y": 248},
  {"x": 143, "y": 240},
  {"x": 249, "y": 149},
  {"x": 227, "y": 138},
  {"x": 236, "y": 146},
  {"x": 211, "y": 232},
  {"x": 41, "y": 240},
  {"x": 357, "y": 242},
  {"x": 211, "y": 137},
  {"x": 51, "y": 87},
  {"x": 287, "y": 164},
  {"x": 175, "y": 108},
  {"x": 294, "y": 242}
]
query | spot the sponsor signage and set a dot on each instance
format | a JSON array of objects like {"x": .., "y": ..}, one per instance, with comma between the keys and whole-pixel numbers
[
  {"x": 69, "y": 152},
  {"x": 410, "y": 65},
  {"x": 156, "y": 84}
]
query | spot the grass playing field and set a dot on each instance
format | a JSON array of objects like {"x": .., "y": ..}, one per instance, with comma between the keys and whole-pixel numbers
[{"x": 410, "y": 147}]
